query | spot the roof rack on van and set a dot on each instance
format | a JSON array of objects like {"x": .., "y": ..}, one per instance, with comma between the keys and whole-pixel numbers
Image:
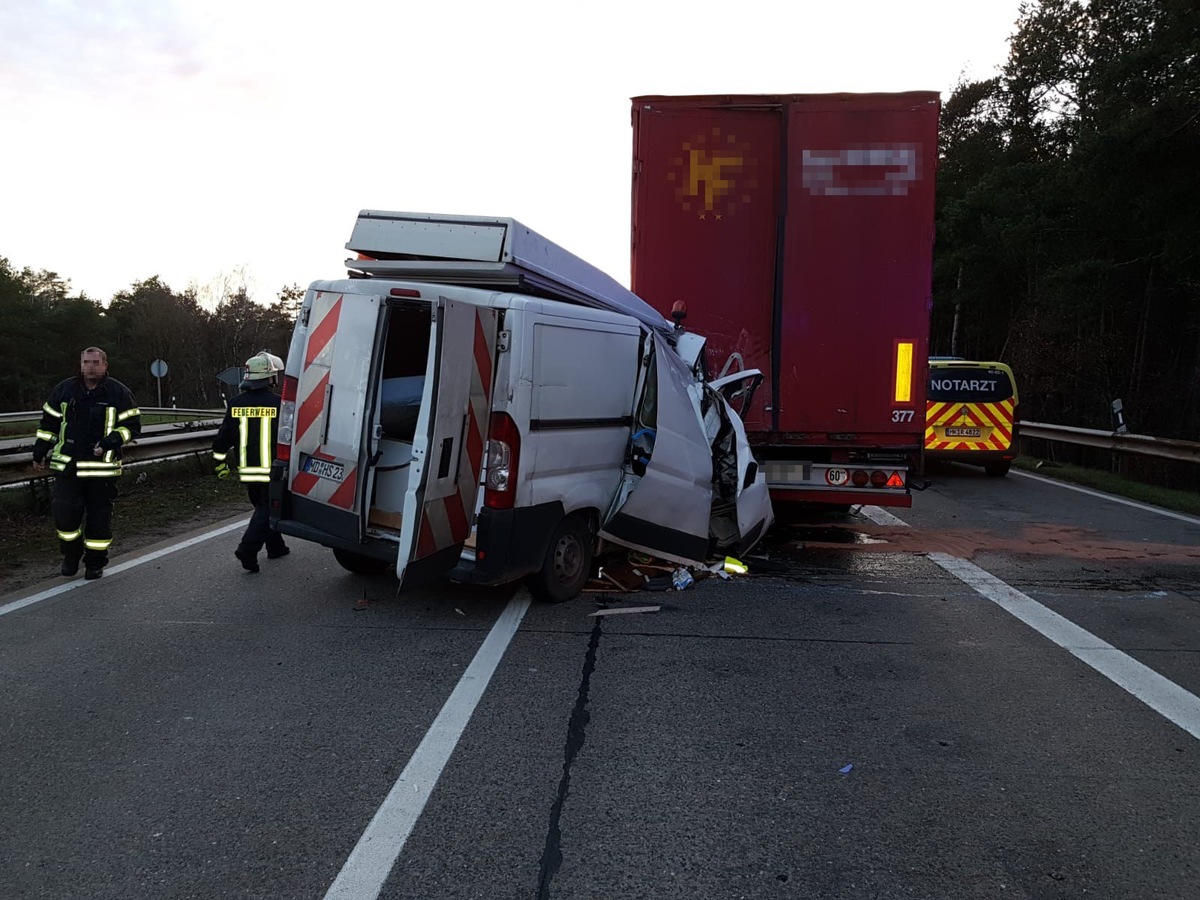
[{"x": 496, "y": 253}]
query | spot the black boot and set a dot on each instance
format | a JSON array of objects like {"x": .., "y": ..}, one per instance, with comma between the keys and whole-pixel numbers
[
  {"x": 70, "y": 565},
  {"x": 248, "y": 560}
]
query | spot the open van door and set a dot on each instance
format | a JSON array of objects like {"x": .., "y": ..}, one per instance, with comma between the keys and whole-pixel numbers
[
  {"x": 664, "y": 502},
  {"x": 332, "y": 395},
  {"x": 691, "y": 487},
  {"x": 452, "y": 428}
]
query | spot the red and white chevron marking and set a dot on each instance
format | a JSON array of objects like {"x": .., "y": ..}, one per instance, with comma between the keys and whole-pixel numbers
[
  {"x": 446, "y": 521},
  {"x": 310, "y": 404}
]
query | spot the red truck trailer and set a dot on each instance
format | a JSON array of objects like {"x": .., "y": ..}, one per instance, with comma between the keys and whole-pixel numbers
[{"x": 797, "y": 231}]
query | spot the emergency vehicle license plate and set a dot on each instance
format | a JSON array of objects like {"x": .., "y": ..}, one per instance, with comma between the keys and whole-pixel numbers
[
  {"x": 963, "y": 432},
  {"x": 325, "y": 469}
]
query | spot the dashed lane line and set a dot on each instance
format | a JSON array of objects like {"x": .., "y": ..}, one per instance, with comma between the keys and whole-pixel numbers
[{"x": 1159, "y": 693}]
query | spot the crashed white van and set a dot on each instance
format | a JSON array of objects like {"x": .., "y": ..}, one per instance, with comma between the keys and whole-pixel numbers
[{"x": 475, "y": 400}]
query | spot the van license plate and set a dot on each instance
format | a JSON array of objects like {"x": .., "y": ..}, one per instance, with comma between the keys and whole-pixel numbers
[
  {"x": 325, "y": 469},
  {"x": 963, "y": 432}
]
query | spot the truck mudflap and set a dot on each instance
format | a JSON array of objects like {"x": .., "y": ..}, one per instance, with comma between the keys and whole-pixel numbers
[{"x": 691, "y": 488}]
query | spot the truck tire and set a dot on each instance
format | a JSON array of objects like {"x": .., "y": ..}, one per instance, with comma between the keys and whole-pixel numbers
[
  {"x": 568, "y": 563},
  {"x": 362, "y": 565},
  {"x": 997, "y": 469}
]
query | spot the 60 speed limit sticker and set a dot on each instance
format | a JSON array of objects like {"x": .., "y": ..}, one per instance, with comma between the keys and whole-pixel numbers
[{"x": 836, "y": 477}]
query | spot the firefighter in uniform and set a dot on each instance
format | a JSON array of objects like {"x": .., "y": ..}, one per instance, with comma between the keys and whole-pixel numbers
[
  {"x": 84, "y": 424},
  {"x": 251, "y": 426}
]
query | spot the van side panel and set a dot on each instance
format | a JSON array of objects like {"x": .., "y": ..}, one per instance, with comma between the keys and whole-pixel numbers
[{"x": 584, "y": 376}]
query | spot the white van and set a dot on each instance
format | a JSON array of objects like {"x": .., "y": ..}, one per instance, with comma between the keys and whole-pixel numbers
[{"x": 476, "y": 399}]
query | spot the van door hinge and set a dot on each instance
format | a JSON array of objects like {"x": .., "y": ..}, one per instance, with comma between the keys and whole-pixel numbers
[
  {"x": 304, "y": 316},
  {"x": 502, "y": 340}
]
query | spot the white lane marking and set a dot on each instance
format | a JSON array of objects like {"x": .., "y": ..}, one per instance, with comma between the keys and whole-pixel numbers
[
  {"x": 1163, "y": 696},
  {"x": 1145, "y": 506},
  {"x": 120, "y": 567},
  {"x": 371, "y": 860},
  {"x": 881, "y": 516}
]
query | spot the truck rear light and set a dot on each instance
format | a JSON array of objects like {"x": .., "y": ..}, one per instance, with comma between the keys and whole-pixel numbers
[
  {"x": 287, "y": 418},
  {"x": 404, "y": 292},
  {"x": 503, "y": 459},
  {"x": 878, "y": 479},
  {"x": 895, "y": 480},
  {"x": 860, "y": 478}
]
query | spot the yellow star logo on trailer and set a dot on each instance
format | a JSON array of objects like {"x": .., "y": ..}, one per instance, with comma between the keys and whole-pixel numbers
[{"x": 713, "y": 175}]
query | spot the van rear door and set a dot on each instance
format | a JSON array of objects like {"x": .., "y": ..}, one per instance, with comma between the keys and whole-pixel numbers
[
  {"x": 331, "y": 404},
  {"x": 439, "y": 506}
]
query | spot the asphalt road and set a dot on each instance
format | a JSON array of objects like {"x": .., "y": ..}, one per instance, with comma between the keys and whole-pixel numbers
[{"x": 853, "y": 720}]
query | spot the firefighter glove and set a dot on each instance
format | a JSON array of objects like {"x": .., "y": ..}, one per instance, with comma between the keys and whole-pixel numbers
[{"x": 222, "y": 469}]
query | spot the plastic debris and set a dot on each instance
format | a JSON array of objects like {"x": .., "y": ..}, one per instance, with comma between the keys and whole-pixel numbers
[
  {"x": 735, "y": 566},
  {"x": 622, "y": 610},
  {"x": 681, "y": 579},
  {"x": 845, "y": 770}
]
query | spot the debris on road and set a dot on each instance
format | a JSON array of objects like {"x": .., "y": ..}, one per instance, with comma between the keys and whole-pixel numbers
[{"x": 623, "y": 610}]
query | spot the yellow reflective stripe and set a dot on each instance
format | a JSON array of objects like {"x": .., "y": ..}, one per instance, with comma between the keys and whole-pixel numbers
[
  {"x": 107, "y": 473},
  {"x": 70, "y": 535},
  {"x": 45, "y": 435},
  {"x": 264, "y": 440},
  {"x": 243, "y": 440},
  {"x": 129, "y": 413},
  {"x": 219, "y": 457},
  {"x": 46, "y": 407},
  {"x": 904, "y": 371},
  {"x": 255, "y": 469},
  {"x": 97, "y": 545},
  {"x": 125, "y": 434},
  {"x": 242, "y": 476}
]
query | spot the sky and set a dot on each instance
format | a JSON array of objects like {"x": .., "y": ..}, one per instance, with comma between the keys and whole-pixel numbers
[{"x": 214, "y": 143}]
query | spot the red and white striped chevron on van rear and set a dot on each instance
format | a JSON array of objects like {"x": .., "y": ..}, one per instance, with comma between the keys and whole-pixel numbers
[
  {"x": 312, "y": 398},
  {"x": 446, "y": 521}
]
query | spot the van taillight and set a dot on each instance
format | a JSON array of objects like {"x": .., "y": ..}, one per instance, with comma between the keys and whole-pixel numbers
[
  {"x": 287, "y": 418},
  {"x": 503, "y": 458}
]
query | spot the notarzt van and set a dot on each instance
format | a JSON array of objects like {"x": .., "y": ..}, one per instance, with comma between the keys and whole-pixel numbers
[
  {"x": 474, "y": 398},
  {"x": 971, "y": 413}
]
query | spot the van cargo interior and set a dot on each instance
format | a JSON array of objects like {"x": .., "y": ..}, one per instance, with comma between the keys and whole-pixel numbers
[{"x": 402, "y": 385}]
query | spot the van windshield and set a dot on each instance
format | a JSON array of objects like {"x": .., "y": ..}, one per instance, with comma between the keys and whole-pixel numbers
[{"x": 947, "y": 383}]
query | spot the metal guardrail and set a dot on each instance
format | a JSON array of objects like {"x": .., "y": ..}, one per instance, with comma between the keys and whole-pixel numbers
[
  {"x": 1137, "y": 444},
  {"x": 156, "y": 442},
  {"x": 161, "y": 441}
]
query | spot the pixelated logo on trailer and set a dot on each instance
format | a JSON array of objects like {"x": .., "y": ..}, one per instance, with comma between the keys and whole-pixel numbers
[
  {"x": 714, "y": 175},
  {"x": 861, "y": 170}
]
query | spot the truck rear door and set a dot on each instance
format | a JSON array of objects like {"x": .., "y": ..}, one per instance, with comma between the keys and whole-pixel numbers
[
  {"x": 331, "y": 402},
  {"x": 705, "y": 224},
  {"x": 439, "y": 506},
  {"x": 857, "y": 262}
]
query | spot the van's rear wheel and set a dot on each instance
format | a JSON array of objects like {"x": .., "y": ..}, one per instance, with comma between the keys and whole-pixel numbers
[
  {"x": 360, "y": 564},
  {"x": 997, "y": 469},
  {"x": 568, "y": 563}
]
